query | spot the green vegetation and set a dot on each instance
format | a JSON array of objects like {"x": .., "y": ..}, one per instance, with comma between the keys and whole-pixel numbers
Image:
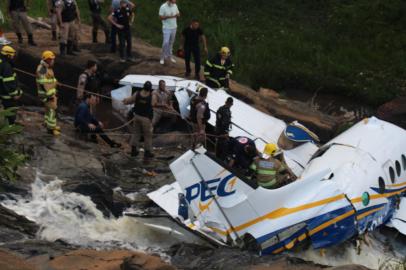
[
  {"x": 354, "y": 48},
  {"x": 9, "y": 158}
]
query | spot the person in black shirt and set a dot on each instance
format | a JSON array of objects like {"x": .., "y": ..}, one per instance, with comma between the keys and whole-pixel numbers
[
  {"x": 121, "y": 18},
  {"x": 97, "y": 20},
  {"x": 191, "y": 36},
  {"x": 142, "y": 123},
  {"x": 223, "y": 126}
]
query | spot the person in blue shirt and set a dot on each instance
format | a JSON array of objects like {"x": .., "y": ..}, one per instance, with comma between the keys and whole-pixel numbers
[{"x": 87, "y": 122}]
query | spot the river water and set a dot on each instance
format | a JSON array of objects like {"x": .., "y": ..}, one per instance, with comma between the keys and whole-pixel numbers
[{"x": 75, "y": 219}]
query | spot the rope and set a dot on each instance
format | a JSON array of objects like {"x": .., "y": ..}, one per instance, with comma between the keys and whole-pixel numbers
[{"x": 110, "y": 130}]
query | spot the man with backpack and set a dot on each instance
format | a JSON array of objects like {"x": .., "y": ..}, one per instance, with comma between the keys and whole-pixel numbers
[{"x": 223, "y": 126}]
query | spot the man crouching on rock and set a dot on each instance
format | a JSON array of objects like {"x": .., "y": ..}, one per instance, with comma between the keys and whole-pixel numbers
[
  {"x": 87, "y": 123},
  {"x": 142, "y": 123}
]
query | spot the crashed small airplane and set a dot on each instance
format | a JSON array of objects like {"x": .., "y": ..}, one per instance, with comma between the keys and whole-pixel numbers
[{"x": 350, "y": 185}]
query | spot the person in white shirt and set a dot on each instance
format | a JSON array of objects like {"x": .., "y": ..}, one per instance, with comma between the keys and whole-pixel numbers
[{"x": 168, "y": 13}]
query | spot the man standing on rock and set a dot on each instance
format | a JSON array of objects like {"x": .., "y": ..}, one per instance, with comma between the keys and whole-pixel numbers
[
  {"x": 10, "y": 93},
  {"x": 97, "y": 20},
  {"x": 46, "y": 85},
  {"x": 53, "y": 17},
  {"x": 143, "y": 114},
  {"x": 115, "y": 4},
  {"x": 191, "y": 37},
  {"x": 199, "y": 115},
  {"x": 168, "y": 13},
  {"x": 18, "y": 14},
  {"x": 89, "y": 82},
  {"x": 121, "y": 19},
  {"x": 68, "y": 21}
]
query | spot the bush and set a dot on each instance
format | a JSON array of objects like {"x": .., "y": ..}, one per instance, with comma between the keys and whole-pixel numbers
[{"x": 9, "y": 158}]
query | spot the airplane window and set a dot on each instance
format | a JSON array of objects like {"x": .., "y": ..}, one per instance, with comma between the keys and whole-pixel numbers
[
  {"x": 398, "y": 169},
  {"x": 392, "y": 174},
  {"x": 381, "y": 185},
  {"x": 404, "y": 162}
]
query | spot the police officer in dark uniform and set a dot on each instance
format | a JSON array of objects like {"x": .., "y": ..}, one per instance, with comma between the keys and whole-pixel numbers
[
  {"x": 223, "y": 126},
  {"x": 242, "y": 153},
  {"x": 9, "y": 90},
  {"x": 199, "y": 115},
  {"x": 68, "y": 21},
  {"x": 97, "y": 20},
  {"x": 121, "y": 19}
]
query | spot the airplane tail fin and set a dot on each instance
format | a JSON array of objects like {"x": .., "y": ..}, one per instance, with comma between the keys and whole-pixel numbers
[{"x": 209, "y": 189}]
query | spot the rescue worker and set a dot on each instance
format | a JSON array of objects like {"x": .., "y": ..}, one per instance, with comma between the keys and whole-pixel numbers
[
  {"x": 18, "y": 14},
  {"x": 199, "y": 115},
  {"x": 86, "y": 122},
  {"x": 218, "y": 70},
  {"x": 9, "y": 90},
  {"x": 53, "y": 17},
  {"x": 97, "y": 20},
  {"x": 223, "y": 126},
  {"x": 68, "y": 21},
  {"x": 269, "y": 171},
  {"x": 121, "y": 18},
  {"x": 242, "y": 153},
  {"x": 88, "y": 81},
  {"x": 162, "y": 104},
  {"x": 143, "y": 114},
  {"x": 47, "y": 92}
]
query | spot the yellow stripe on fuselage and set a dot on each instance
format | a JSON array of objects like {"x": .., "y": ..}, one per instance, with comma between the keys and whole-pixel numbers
[{"x": 367, "y": 213}]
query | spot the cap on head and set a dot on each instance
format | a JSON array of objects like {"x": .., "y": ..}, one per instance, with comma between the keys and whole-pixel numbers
[
  {"x": 48, "y": 55},
  {"x": 148, "y": 86},
  {"x": 225, "y": 51},
  {"x": 8, "y": 51},
  {"x": 270, "y": 149}
]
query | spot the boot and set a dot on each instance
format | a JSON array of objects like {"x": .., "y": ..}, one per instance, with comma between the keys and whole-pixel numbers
[
  {"x": 53, "y": 35},
  {"x": 148, "y": 154},
  {"x": 20, "y": 38},
  {"x": 62, "y": 49},
  {"x": 134, "y": 151},
  {"x": 31, "y": 40},
  {"x": 69, "y": 48},
  {"x": 54, "y": 132},
  {"x": 94, "y": 34},
  {"x": 107, "y": 34}
]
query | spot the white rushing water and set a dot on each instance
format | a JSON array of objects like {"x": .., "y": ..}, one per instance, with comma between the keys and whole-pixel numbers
[{"x": 75, "y": 219}]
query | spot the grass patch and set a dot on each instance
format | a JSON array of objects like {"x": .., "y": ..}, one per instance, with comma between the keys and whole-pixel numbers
[{"x": 354, "y": 48}]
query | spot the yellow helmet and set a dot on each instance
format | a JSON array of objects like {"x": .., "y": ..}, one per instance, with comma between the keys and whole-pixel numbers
[
  {"x": 225, "y": 51},
  {"x": 8, "y": 50},
  {"x": 270, "y": 149},
  {"x": 48, "y": 55}
]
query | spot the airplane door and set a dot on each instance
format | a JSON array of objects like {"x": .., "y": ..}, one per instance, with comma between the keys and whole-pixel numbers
[{"x": 183, "y": 98}]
